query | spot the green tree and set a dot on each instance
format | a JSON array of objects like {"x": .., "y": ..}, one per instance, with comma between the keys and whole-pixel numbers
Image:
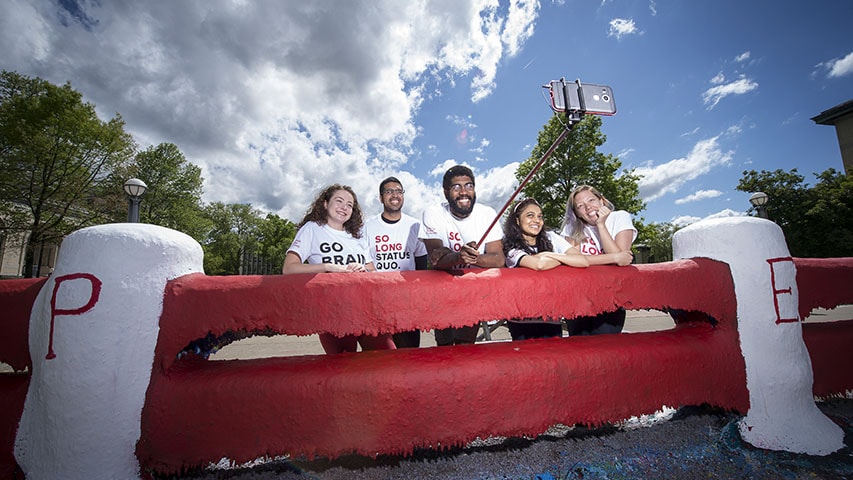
[
  {"x": 54, "y": 151},
  {"x": 173, "y": 198},
  {"x": 234, "y": 235},
  {"x": 658, "y": 238},
  {"x": 276, "y": 235},
  {"x": 816, "y": 220},
  {"x": 576, "y": 161},
  {"x": 831, "y": 212}
]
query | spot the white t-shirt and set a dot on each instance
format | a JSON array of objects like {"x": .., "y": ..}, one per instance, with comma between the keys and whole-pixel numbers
[
  {"x": 394, "y": 246},
  {"x": 439, "y": 224},
  {"x": 315, "y": 244},
  {"x": 616, "y": 222},
  {"x": 559, "y": 244}
]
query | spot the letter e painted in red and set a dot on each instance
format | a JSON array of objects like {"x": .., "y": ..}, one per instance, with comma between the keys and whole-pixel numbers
[{"x": 783, "y": 275}]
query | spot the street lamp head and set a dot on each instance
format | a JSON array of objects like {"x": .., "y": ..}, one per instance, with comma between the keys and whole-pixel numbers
[
  {"x": 758, "y": 199},
  {"x": 135, "y": 187}
]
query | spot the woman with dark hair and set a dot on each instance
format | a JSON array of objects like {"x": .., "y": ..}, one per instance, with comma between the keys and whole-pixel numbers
[
  {"x": 527, "y": 244},
  {"x": 594, "y": 226},
  {"x": 329, "y": 240}
]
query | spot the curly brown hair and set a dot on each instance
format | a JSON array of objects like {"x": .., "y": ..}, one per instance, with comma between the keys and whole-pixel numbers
[{"x": 317, "y": 211}]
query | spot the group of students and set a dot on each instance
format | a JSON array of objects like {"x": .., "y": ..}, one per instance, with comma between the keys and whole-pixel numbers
[{"x": 334, "y": 237}]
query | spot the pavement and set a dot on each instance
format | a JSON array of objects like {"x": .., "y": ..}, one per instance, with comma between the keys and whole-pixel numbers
[{"x": 635, "y": 321}]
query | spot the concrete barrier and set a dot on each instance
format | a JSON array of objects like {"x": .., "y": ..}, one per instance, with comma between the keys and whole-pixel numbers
[{"x": 147, "y": 409}]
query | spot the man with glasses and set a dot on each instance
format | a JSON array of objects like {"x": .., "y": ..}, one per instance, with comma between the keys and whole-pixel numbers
[
  {"x": 451, "y": 231},
  {"x": 394, "y": 244}
]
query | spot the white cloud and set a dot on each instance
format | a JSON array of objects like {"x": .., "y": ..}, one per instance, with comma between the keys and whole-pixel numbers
[
  {"x": 691, "y": 132},
  {"x": 699, "y": 195},
  {"x": 734, "y": 130},
  {"x": 667, "y": 178},
  {"x": 518, "y": 27},
  {"x": 625, "y": 153},
  {"x": 713, "y": 95},
  {"x": 718, "y": 79},
  {"x": 653, "y": 8},
  {"x": 685, "y": 220},
  {"x": 742, "y": 57},
  {"x": 726, "y": 213},
  {"x": 495, "y": 185},
  {"x": 619, "y": 27},
  {"x": 253, "y": 107},
  {"x": 839, "y": 67},
  {"x": 481, "y": 147}
]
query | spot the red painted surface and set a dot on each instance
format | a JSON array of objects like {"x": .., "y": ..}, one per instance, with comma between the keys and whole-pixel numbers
[
  {"x": 826, "y": 283},
  {"x": 394, "y": 401},
  {"x": 16, "y": 303}
]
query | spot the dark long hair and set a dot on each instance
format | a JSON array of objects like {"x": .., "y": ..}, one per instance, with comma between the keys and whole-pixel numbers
[
  {"x": 317, "y": 211},
  {"x": 514, "y": 237}
]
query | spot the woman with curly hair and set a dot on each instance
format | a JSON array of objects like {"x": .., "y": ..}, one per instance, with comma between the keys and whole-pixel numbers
[
  {"x": 330, "y": 240},
  {"x": 527, "y": 244}
]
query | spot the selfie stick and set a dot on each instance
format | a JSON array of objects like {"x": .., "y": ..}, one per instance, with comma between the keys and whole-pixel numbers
[{"x": 527, "y": 179}]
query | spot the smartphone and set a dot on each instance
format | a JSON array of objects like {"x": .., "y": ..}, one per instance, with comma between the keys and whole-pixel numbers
[{"x": 589, "y": 98}]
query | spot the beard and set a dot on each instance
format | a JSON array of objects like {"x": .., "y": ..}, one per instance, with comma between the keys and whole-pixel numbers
[
  {"x": 392, "y": 208},
  {"x": 461, "y": 211}
]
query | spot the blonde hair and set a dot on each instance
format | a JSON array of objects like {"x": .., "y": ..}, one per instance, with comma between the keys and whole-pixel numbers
[{"x": 571, "y": 219}]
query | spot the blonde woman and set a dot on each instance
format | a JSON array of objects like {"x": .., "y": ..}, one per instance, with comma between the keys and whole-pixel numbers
[{"x": 594, "y": 226}]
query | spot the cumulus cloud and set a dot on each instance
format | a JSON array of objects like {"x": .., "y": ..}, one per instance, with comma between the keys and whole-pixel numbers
[
  {"x": 259, "y": 94},
  {"x": 669, "y": 177},
  {"x": 838, "y": 67},
  {"x": 619, "y": 27},
  {"x": 685, "y": 220},
  {"x": 699, "y": 195},
  {"x": 713, "y": 95}
]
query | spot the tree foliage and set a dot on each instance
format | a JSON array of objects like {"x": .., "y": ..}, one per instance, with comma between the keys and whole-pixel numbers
[
  {"x": 817, "y": 220},
  {"x": 657, "y": 237},
  {"x": 244, "y": 241},
  {"x": 275, "y": 236},
  {"x": 175, "y": 187},
  {"x": 576, "y": 161},
  {"x": 54, "y": 150},
  {"x": 233, "y": 235},
  {"x": 61, "y": 169}
]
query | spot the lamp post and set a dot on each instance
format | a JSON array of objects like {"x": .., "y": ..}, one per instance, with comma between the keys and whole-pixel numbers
[
  {"x": 759, "y": 201},
  {"x": 134, "y": 188}
]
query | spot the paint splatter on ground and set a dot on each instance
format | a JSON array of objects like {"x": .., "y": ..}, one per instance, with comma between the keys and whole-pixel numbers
[{"x": 690, "y": 443}]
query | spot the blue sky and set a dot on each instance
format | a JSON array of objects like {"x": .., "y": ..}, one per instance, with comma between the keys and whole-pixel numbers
[{"x": 275, "y": 100}]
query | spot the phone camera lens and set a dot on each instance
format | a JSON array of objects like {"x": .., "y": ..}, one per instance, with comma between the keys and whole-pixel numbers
[{"x": 605, "y": 98}]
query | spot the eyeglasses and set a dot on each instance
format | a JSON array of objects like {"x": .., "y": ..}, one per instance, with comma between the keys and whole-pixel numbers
[
  {"x": 392, "y": 191},
  {"x": 457, "y": 187}
]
